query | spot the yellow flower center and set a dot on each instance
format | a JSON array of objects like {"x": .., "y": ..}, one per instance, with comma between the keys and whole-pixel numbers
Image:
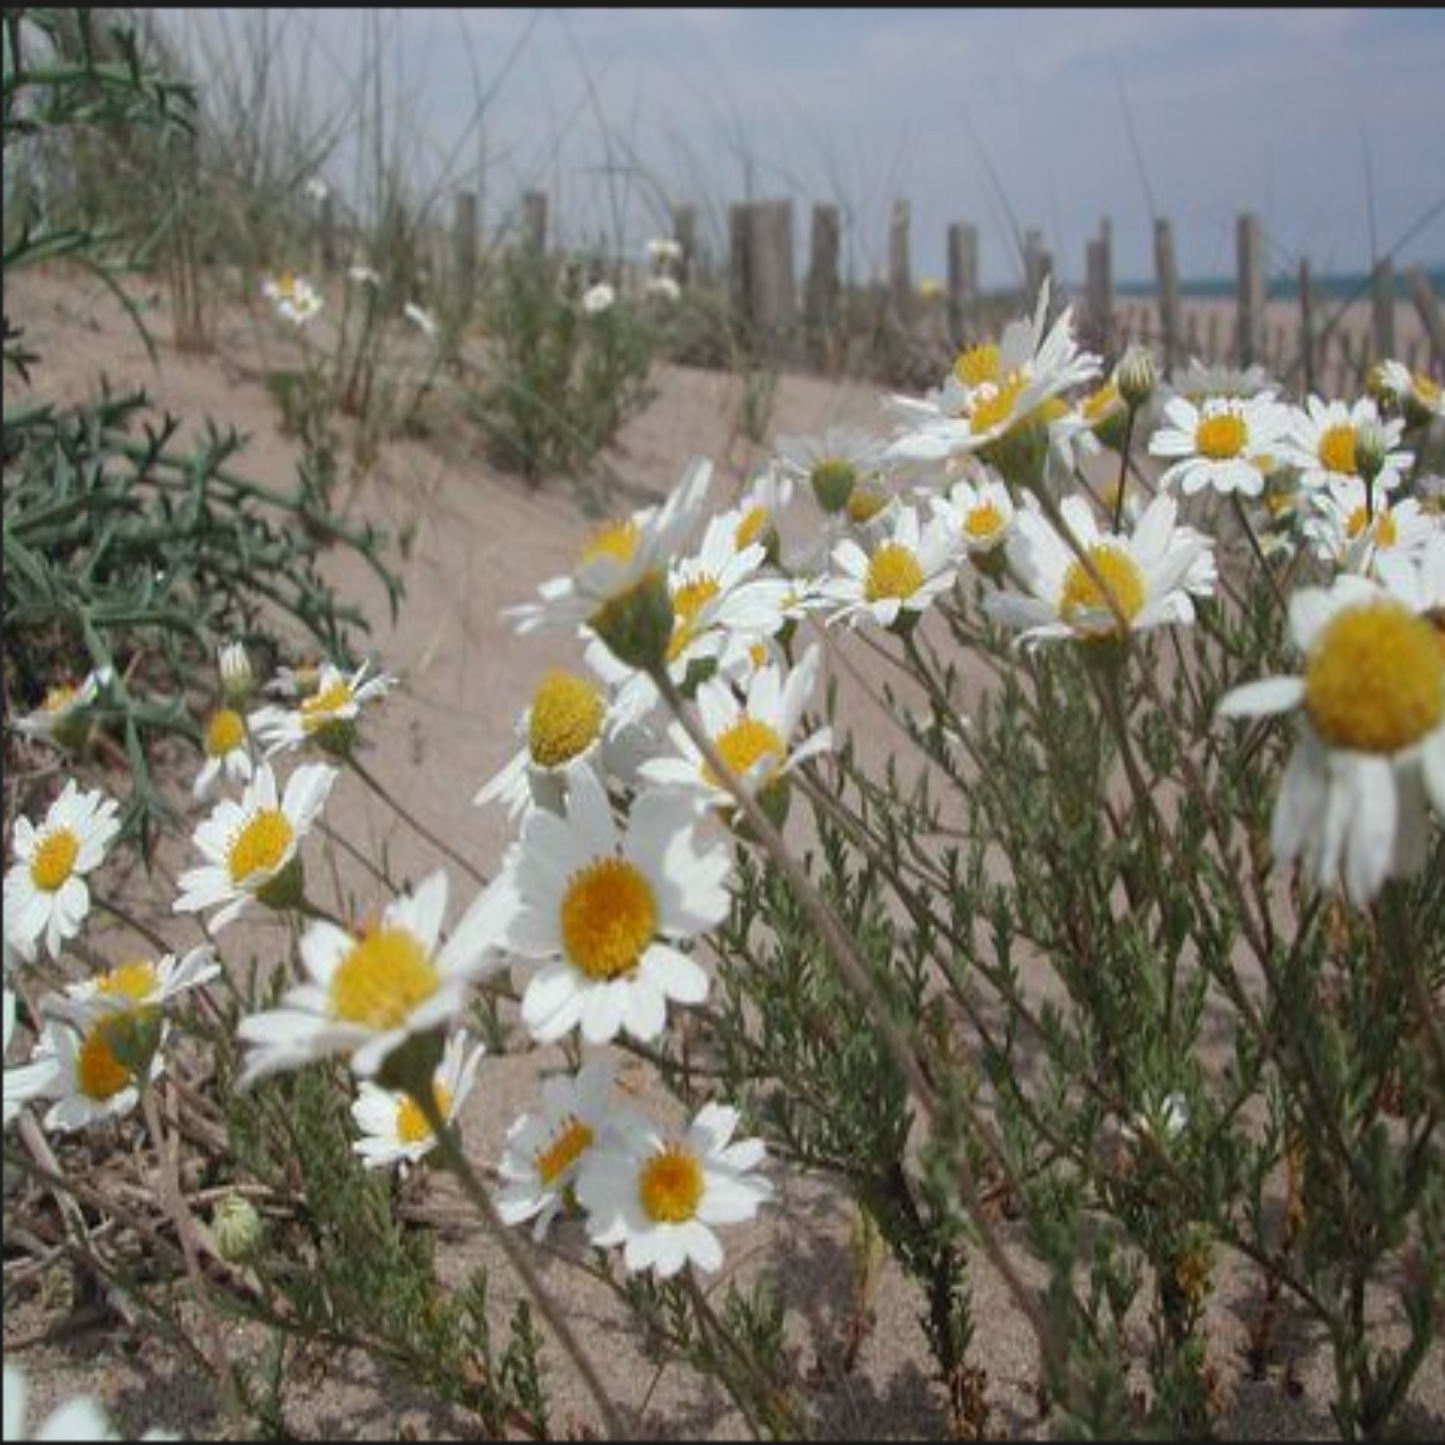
[
  {"x": 567, "y": 713},
  {"x": 996, "y": 406},
  {"x": 978, "y": 366},
  {"x": 225, "y": 733},
  {"x": 609, "y": 916},
  {"x": 321, "y": 709},
  {"x": 385, "y": 977},
  {"x": 864, "y": 505},
  {"x": 136, "y": 981},
  {"x": 1426, "y": 389},
  {"x": 984, "y": 522},
  {"x": 1082, "y": 594},
  {"x": 260, "y": 845},
  {"x": 99, "y": 1073},
  {"x": 671, "y": 1186},
  {"x": 751, "y": 528},
  {"x": 57, "y": 699},
  {"x": 1375, "y": 681},
  {"x": 1386, "y": 532},
  {"x": 1221, "y": 436},
  {"x": 618, "y": 541},
  {"x": 411, "y": 1123},
  {"x": 893, "y": 572},
  {"x": 744, "y": 744},
  {"x": 54, "y": 860},
  {"x": 1101, "y": 404},
  {"x": 569, "y": 1144},
  {"x": 1337, "y": 450},
  {"x": 687, "y": 602}
]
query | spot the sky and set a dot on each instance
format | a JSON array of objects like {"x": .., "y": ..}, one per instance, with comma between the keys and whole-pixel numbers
[{"x": 1328, "y": 123}]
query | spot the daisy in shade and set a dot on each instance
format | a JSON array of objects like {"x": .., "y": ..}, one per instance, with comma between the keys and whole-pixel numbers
[
  {"x": 46, "y": 894},
  {"x": 1352, "y": 804},
  {"x": 79, "y": 1418},
  {"x": 753, "y": 735},
  {"x": 910, "y": 566},
  {"x": 1321, "y": 444},
  {"x": 995, "y": 391},
  {"x": 546, "y": 1151},
  {"x": 755, "y": 518},
  {"x": 98, "y": 1069},
  {"x": 1204, "y": 381},
  {"x": 661, "y": 1197},
  {"x": 26, "y": 1081},
  {"x": 1150, "y": 572},
  {"x": 228, "y": 751},
  {"x": 63, "y": 718},
  {"x": 139, "y": 984},
  {"x": 979, "y": 514},
  {"x": 252, "y": 847},
  {"x": 605, "y": 910},
  {"x": 367, "y": 993},
  {"x": 833, "y": 464},
  {"x": 393, "y": 1128},
  {"x": 1353, "y": 527},
  {"x": 296, "y": 300},
  {"x": 1418, "y": 397},
  {"x": 326, "y": 715},
  {"x": 620, "y": 561},
  {"x": 1225, "y": 444}
]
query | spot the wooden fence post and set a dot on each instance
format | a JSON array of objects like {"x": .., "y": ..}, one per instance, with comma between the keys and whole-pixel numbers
[
  {"x": 684, "y": 232},
  {"x": 900, "y": 264},
  {"x": 1428, "y": 305},
  {"x": 821, "y": 291},
  {"x": 1382, "y": 304},
  {"x": 534, "y": 222},
  {"x": 1166, "y": 267},
  {"x": 464, "y": 249},
  {"x": 1308, "y": 363},
  {"x": 962, "y": 278},
  {"x": 764, "y": 289},
  {"x": 1251, "y": 292},
  {"x": 1099, "y": 288}
]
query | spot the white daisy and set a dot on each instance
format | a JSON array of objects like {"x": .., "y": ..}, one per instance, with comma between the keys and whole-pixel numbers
[
  {"x": 135, "y": 985},
  {"x": 545, "y": 1151},
  {"x": 79, "y": 1418},
  {"x": 994, "y": 391},
  {"x": 252, "y": 847},
  {"x": 598, "y": 299},
  {"x": 621, "y": 563},
  {"x": 902, "y": 575},
  {"x": 422, "y": 319},
  {"x": 228, "y": 751},
  {"x": 832, "y": 464},
  {"x": 1321, "y": 444},
  {"x": 326, "y": 715},
  {"x": 1352, "y": 804},
  {"x": 63, "y": 717},
  {"x": 1224, "y": 443},
  {"x": 718, "y": 594},
  {"x": 661, "y": 1197},
  {"x": 1417, "y": 396},
  {"x": 393, "y": 1128},
  {"x": 367, "y": 994},
  {"x": 980, "y": 515},
  {"x": 1205, "y": 381},
  {"x": 296, "y": 300},
  {"x": 753, "y": 736},
  {"x": 664, "y": 251},
  {"x": 26, "y": 1081},
  {"x": 572, "y": 724},
  {"x": 46, "y": 895},
  {"x": 663, "y": 288},
  {"x": 1352, "y": 528},
  {"x": 97, "y": 1068},
  {"x": 606, "y": 910},
  {"x": 1151, "y": 573}
]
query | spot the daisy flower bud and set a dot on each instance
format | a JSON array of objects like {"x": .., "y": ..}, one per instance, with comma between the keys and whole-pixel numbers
[{"x": 1136, "y": 377}]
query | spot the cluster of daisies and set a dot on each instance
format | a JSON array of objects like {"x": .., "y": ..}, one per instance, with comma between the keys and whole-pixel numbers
[{"x": 698, "y": 659}]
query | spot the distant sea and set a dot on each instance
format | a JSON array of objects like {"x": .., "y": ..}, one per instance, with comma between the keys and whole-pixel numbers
[{"x": 1284, "y": 288}]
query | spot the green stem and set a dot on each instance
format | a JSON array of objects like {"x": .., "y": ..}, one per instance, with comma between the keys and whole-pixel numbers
[
  {"x": 477, "y": 1192},
  {"x": 1124, "y": 471}
]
